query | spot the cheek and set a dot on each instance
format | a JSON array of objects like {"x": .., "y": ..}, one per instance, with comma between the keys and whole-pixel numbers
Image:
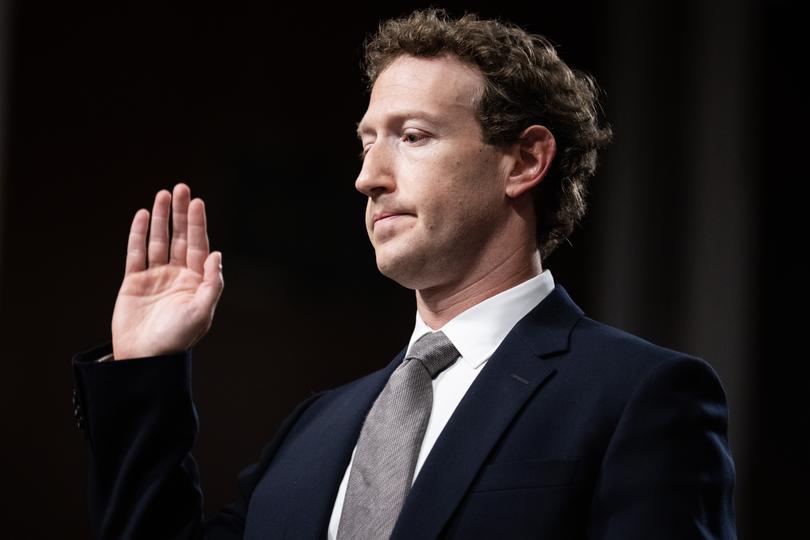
[
  {"x": 452, "y": 187},
  {"x": 449, "y": 210}
]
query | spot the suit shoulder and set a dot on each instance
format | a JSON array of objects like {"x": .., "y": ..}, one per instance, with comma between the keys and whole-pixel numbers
[
  {"x": 606, "y": 335},
  {"x": 623, "y": 352}
]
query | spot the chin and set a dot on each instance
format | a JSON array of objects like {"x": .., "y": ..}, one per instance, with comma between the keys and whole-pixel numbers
[
  {"x": 409, "y": 270},
  {"x": 395, "y": 272}
]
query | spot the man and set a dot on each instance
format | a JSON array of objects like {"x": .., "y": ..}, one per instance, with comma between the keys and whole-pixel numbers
[{"x": 510, "y": 414}]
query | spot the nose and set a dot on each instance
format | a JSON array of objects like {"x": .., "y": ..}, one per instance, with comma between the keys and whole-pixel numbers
[{"x": 376, "y": 176}]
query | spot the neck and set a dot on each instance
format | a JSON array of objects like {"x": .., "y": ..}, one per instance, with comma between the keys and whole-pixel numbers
[{"x": 438, "y": 305}]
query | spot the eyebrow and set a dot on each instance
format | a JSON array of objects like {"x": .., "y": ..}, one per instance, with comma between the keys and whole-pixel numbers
[{"x": 398, "y": 117}]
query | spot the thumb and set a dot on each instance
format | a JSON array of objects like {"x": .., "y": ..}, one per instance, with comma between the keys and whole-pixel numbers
[{"x": 213, "y": 281}]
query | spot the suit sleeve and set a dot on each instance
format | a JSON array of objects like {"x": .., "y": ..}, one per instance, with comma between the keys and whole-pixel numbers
[
  {"x": 140, "y": 423},
  {"x": 668, "y": 472}
]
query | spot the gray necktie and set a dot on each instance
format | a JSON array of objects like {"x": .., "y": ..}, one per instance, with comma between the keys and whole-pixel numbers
[{"x": 390, "y": 441}]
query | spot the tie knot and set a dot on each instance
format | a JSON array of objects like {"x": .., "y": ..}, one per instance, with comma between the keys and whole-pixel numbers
[{"x": 434, "y": 351}]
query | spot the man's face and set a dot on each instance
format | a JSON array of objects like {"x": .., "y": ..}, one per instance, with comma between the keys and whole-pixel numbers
[{"x": 435, "y": 190}]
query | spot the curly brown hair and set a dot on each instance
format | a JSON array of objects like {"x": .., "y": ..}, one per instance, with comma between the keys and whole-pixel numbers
[{"x": 526, "y": 83}]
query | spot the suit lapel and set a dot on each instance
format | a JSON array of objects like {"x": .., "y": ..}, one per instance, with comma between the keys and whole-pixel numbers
[
  {"x": 304, "y": 490},
  {"x": 512, "y": 375}
]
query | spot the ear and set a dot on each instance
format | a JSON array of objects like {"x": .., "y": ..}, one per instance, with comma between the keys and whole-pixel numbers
[{"x": 533, "y": 153}]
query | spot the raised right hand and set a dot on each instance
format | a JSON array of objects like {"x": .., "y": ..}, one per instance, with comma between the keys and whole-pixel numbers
[{"x": 167, "y": 299}]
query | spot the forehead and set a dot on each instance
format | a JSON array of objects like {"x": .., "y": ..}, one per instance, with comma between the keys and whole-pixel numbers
[{"x": 443, "y": 88}]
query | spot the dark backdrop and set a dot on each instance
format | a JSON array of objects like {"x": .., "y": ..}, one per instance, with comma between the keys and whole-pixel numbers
[{"x": 691, "y": 241}]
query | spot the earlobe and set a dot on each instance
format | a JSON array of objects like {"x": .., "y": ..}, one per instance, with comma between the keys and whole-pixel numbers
[{"x": 534, "y": 152}]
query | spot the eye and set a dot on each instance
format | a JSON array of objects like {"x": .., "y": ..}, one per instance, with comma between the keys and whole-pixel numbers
[
  {"x": 413, "y": 136},
  {"x": 363, "y": 152}
]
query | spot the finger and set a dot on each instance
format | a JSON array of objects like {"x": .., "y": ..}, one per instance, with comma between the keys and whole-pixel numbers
[
  {"x": 197, "y": 236},
  {"x": 136, "y": 246},
  {"x": 180, "y": 200},
  {"x": 159, "y": 232},
  {"x": 213, "y": 282}
]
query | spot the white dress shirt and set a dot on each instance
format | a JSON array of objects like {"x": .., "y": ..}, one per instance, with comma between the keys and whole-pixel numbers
[{"x": 476, "y": 334}]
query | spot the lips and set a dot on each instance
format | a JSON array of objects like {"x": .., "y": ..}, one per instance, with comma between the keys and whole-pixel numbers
[
  {"x": 382, "y": 215},
  {"x": 381, "y": 218}
]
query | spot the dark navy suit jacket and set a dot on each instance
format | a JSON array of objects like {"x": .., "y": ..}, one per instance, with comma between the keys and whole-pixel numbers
[{"x": 573, "y": 430}]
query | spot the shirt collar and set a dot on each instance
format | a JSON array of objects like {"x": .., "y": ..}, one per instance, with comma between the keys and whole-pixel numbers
[{"x": 477, "y": 332}]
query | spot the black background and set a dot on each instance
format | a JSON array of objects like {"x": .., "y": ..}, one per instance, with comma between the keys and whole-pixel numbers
[{"x": 255, "y": 106}]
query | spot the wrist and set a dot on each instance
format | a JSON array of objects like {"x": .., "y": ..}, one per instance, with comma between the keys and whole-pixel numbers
[{"x": 120, "y": 353}]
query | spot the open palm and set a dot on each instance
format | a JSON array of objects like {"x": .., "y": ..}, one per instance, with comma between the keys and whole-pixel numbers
[{"x": 170, "y": 290}]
